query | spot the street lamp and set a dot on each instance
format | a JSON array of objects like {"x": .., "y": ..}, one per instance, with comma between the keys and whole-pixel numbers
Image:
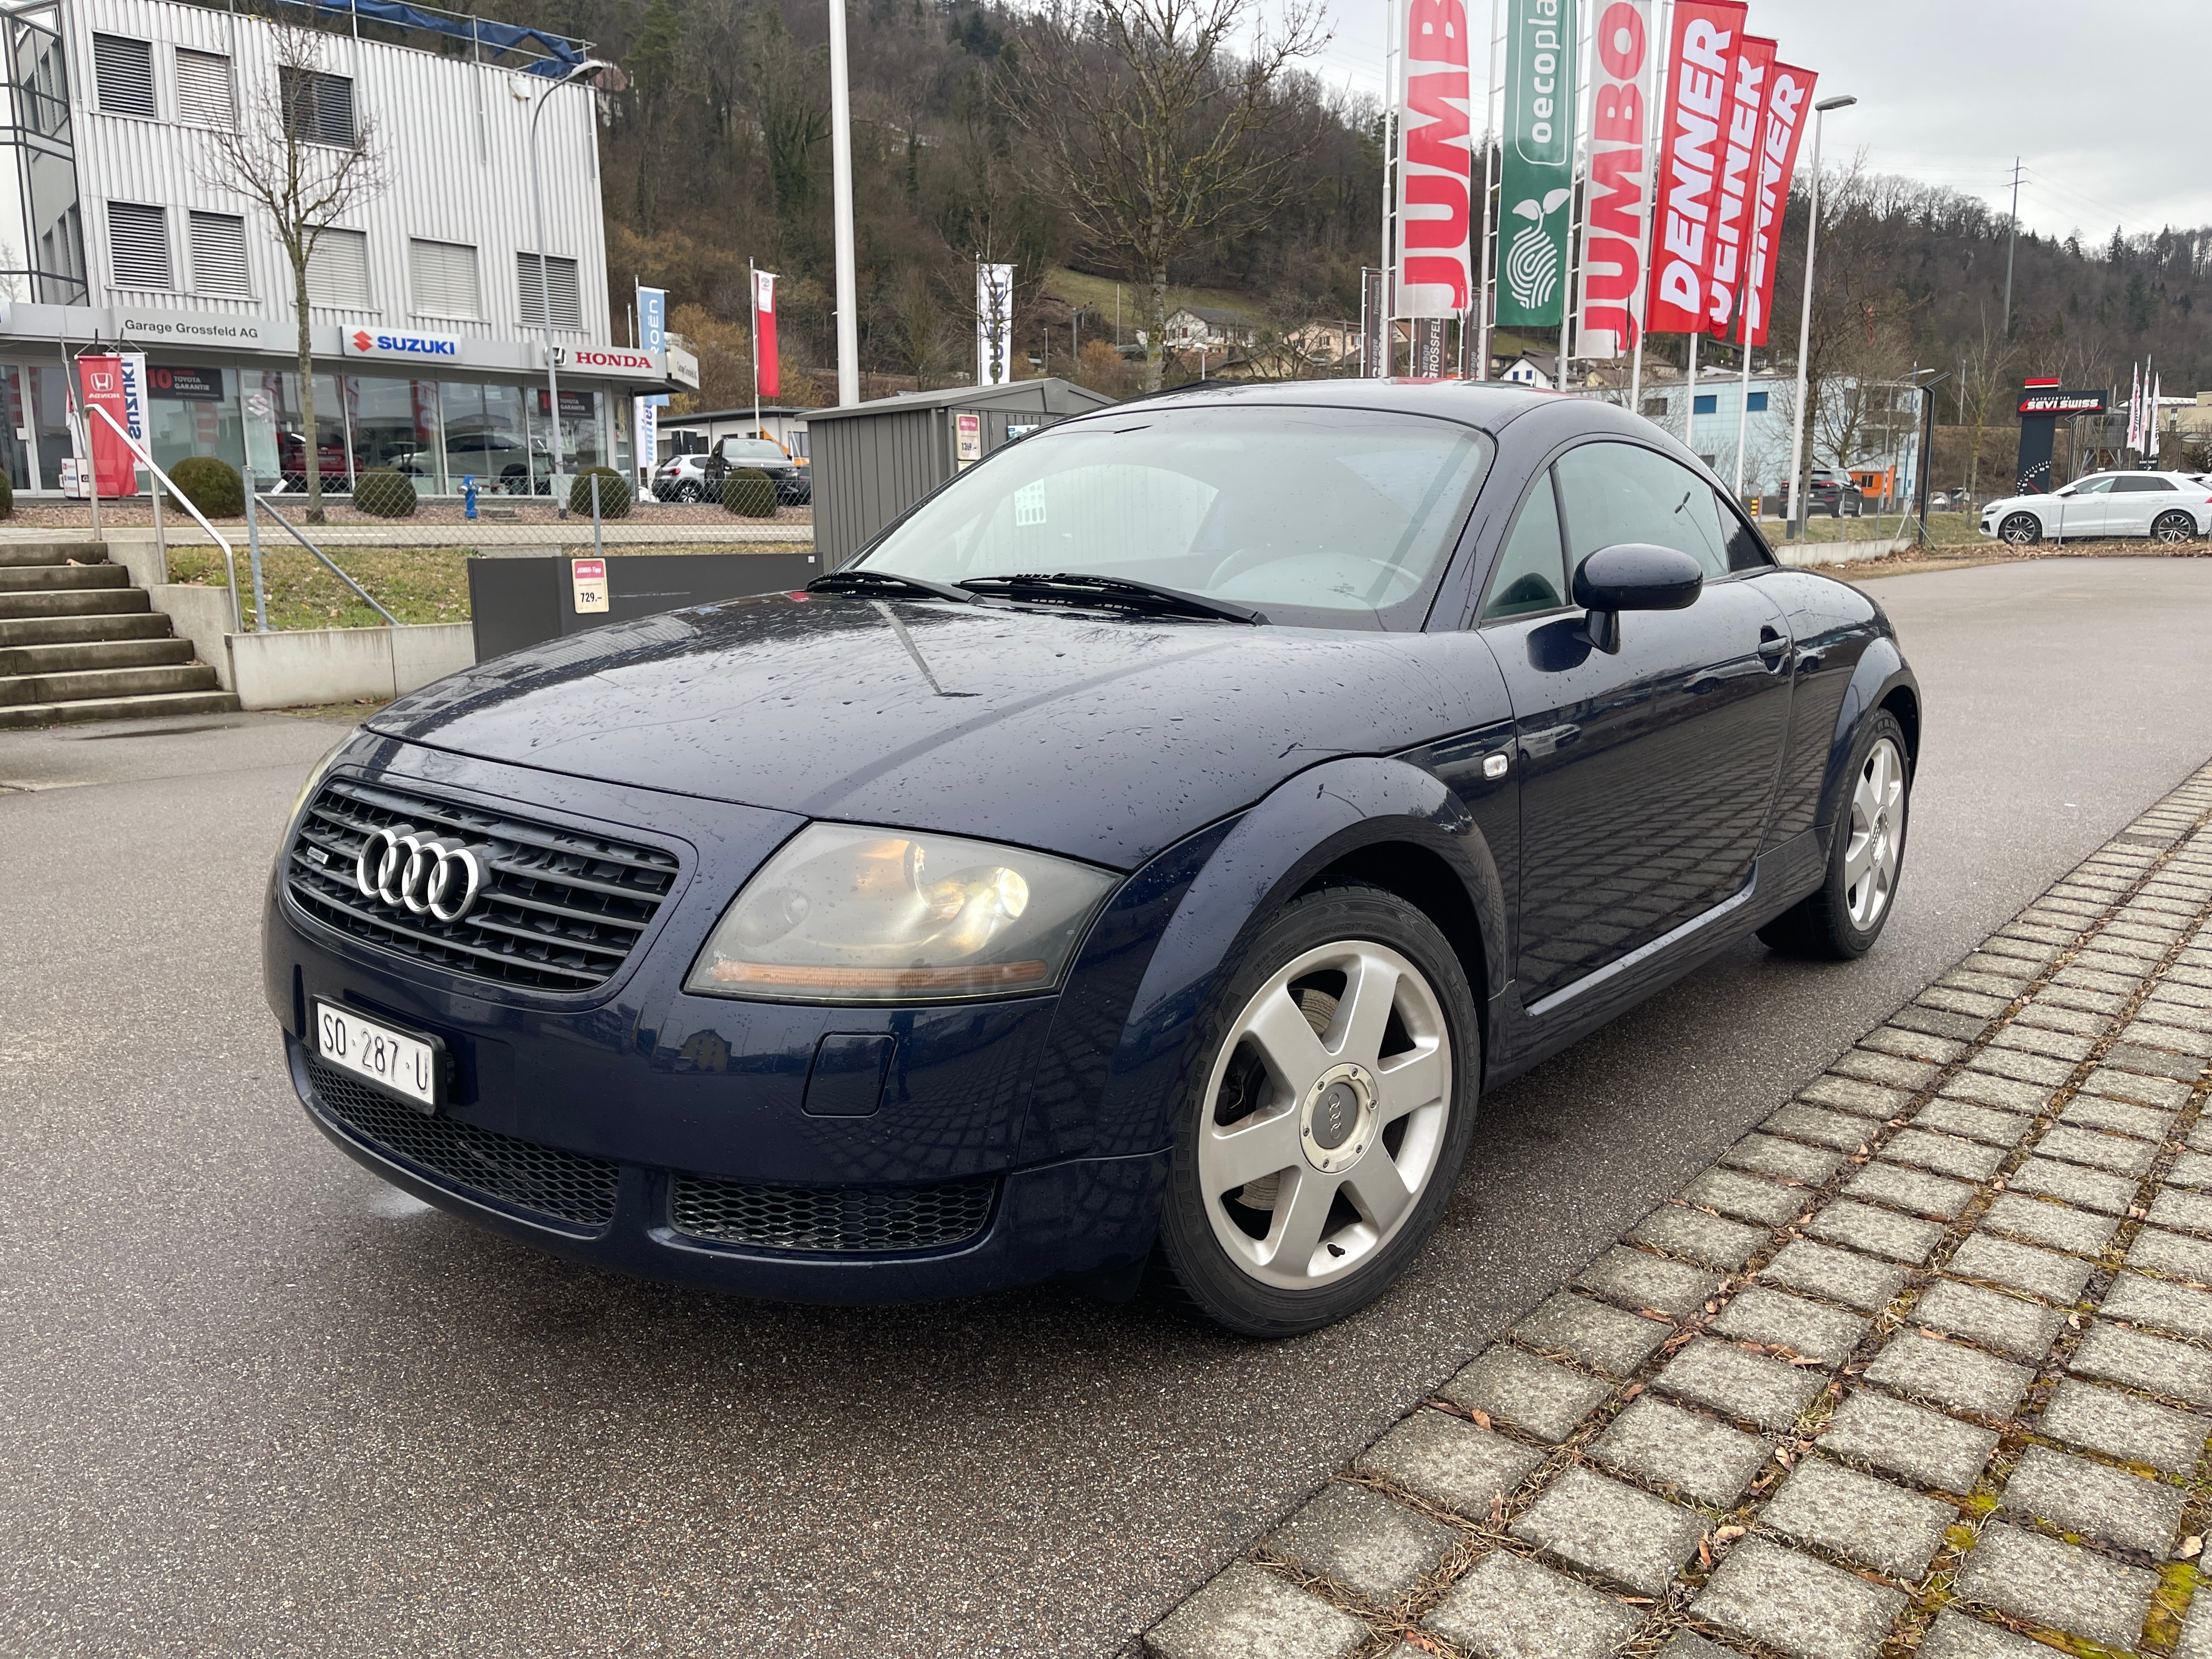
[
  {"x": 1805, "y": 322},
  {"x": 576, "y": 72}
]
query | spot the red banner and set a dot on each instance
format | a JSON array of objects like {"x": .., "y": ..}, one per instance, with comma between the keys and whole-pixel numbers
[
  {"x": 1739, "y": 181},
  {"x": 1435, "y": 208},
  {"x": 768, "y": 375},
  {"x": 1620, "y": 193},
  {"x": 1787, "y": 105},
  {"x": 1701, "y": 71},
  {"x": 113, "y": 465}
]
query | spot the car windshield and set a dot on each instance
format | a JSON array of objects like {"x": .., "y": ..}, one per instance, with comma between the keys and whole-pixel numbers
[
  {"x": 1322, "y": 518},
  {"x": 751, "y": 449}
]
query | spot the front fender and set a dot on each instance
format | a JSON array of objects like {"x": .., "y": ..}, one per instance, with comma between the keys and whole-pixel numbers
[
  {"x": 1879, "y": 674},
  {"x": 1307, "y": 824}
]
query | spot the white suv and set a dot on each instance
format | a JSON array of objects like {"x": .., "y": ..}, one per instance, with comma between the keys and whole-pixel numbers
[{"x": 2170, "y": 507}]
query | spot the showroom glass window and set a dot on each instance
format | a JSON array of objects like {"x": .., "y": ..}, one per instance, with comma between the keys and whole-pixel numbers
[
  {"x": 1328, "y": 517},
  {"x": 193, "y": 409},
  {"x": 394, "y": 423},
  {"x": 282, "y": 387}
]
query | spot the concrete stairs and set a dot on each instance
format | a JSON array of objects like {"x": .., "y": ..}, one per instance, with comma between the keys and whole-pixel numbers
[{"x": 78, "y": 642}]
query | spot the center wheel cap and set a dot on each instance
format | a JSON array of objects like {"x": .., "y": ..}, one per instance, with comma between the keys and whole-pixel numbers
[{"x": 1336, "y": 1119}]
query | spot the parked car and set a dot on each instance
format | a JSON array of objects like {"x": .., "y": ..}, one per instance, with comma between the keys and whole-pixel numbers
[
  {"x": 1948, "y": 500},
  {"x": 1151, "y": 846},
  {"x": 2167, "y": 507},
  {"x": 699, "y": 477},
  {"x": 1833, "y": 494}
]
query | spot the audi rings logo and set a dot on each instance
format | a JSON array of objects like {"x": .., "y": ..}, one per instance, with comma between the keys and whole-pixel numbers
[{"x": 430, "y": 876}]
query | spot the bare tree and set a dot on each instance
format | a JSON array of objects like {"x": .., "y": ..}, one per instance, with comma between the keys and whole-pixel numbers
[
  {"x": 1988, "y": 370},
  {"x": 1153, "y": 132},
  {"x": 305, "y": 156}
]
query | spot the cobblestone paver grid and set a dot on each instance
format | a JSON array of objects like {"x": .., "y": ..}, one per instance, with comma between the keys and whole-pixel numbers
[{"x": 1934, "y": 1374}]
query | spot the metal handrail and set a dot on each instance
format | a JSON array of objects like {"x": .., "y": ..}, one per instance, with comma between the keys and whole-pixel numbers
[
  {"x": 328, "y": 564},
  {"x": 229, "y": 558}
]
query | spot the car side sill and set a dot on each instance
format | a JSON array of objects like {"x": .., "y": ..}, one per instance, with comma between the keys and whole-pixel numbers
[{"x": 1644, "y": 953}]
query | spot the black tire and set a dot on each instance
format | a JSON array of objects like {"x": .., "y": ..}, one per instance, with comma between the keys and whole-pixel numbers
[
  {"x": 2176, "y": 526},
  {"x": 2021, "y": 529},
  {"x": 1820, "y": 925},
  {"x": 1195, "y": 1261}
]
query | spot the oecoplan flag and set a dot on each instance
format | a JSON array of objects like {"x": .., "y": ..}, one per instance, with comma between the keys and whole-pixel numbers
[
  {"x": 1435, "y": 267},
  {"x": 1537, "y": 183}
]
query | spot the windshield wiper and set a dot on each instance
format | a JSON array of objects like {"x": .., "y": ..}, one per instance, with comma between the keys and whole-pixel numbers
[
  {"x": 890, "y": 583},
  {"x": 1121, "y": 593}
]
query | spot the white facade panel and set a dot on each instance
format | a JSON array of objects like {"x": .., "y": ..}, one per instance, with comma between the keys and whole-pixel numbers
[{"x": 454, "y": 134}]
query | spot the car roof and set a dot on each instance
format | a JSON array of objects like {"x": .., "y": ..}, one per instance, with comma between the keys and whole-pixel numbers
[{"x": 1488, "y": 404}]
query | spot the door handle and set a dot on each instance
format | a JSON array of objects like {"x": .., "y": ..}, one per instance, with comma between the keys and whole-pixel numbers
[{"x": 1772, "y": 648}]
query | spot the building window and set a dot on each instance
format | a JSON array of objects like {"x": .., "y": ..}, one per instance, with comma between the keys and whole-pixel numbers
[
  {"x": 337, "y": 270},
  {"x": 1654, "y": 408},
  {"x": 138, "y": 245},
  {"x": 218, "y": 256},
  {"x": 566, "y": 299},
  {"x": 1705, "y": 404},
  {"x": 203, "y": 89},
  {"x": 444, "y": 277},
  {"x": 123, "y": 71},
  {"x": 1755, "y": 403},
  {"x": 320, "y": 108}
]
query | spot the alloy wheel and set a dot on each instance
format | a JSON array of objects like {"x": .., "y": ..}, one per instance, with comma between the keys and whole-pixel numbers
[
  {"x": 1325, "y": 1114},
  {"x": 2174, "y": 527},
  {"x": 2021, "y": 530},
  {"x": 1877, "y": 834}
]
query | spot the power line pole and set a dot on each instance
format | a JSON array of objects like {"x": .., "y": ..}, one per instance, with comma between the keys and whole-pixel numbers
[{"x": 2011, "y": 236}]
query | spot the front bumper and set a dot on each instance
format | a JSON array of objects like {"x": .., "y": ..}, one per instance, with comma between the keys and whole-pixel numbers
[{"x": 582, "y": 1121}]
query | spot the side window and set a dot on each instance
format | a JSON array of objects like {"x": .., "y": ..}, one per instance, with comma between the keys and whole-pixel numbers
[
  {"x": 2093, "y": 487},
  {"x": 1530, "y": 576},
  {"x": 1617, "y": 492},
  {"x": 1745, "y": 550},
  {"x": 2140, "y": 486}
]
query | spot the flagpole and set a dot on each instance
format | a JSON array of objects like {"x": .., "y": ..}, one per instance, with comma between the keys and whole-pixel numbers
[
  {"x": 1640, "y": 300},
  {"x": 752, "y": 289},
  {"x": 1489, "y": 229},
  {"x": 1578, "y": 210},
  {"x": 1386, "y": 333}
]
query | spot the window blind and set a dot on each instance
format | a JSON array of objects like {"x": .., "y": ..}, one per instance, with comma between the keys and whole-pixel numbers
[
  {"x": 320, "y": 108},
  {"x": 567, "y": 300},
  {"x": 203, "y": 89},
  {"x": 138, "y": 245},
  {"x": 337, "y": 270},
  {"x": 443, "y": 276},
  {"x": 218, "y": 256},
  {"x": 123, "y": 71}
]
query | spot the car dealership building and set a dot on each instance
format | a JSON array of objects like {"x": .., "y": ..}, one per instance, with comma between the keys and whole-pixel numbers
[{"x": 424, "y": 302}]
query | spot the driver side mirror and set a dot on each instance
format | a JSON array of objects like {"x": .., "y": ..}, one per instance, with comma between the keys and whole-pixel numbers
[{"x": 1633, "y": 576}]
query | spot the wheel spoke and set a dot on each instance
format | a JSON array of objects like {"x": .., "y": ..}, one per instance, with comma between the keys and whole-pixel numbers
[
  {"x": 1280, "y": 1029},
  {"x": 1858, "y": 854},
  {"x": 1245, "y": 1151},
  {"x": 1298, "y": 1236},
  {"x": 1378, "y": 1188},
  {"x": 1409, "y": 1083},
  {"x": 1365, "y": 1012}
]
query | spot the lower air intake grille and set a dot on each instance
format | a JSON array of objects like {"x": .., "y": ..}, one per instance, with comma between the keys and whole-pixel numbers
[
  {"x": 883, "y": 1220},
  {"x": 562, "y": 1185}
]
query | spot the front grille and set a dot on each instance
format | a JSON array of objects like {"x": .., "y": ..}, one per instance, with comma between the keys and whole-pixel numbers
[
  {"x": 560, "y": 912},
  {"x": 559, "y": 1186},
  {"x": 883, "y": 1220}
]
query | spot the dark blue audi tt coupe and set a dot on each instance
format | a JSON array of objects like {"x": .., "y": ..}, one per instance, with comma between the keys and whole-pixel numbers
[{"x": 1147, "y": 850}]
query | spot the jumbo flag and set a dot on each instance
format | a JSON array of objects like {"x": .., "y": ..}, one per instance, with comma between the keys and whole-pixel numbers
[
  {"x": 768, "y": 375},
  {"x": 1738, "y": 187},
  {"x": 1790, "y": 95},
  {"x": 1701, "y": 70},
  {"x": 1435, "y": 206},
  {"x": 1537, "y": 183},
  {"x": 1616, "y": 205}
]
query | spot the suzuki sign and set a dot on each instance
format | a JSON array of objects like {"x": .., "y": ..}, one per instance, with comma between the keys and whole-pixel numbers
[{"x": 377, "y": 342}]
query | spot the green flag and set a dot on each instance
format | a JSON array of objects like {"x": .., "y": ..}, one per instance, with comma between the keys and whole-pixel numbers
[{"x": 1537, "y": 183}]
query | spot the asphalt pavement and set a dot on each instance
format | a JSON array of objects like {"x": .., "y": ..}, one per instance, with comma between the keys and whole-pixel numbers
[{"x": 254, "y": 1401}]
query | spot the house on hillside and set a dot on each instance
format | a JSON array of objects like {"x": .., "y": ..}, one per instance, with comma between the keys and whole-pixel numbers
[
  {"x": 1537, "y": 369},
  {"x": 1190, "y": 327}
]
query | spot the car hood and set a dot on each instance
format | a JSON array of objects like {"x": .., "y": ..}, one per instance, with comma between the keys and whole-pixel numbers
[{"x": 1102, "y": 738}]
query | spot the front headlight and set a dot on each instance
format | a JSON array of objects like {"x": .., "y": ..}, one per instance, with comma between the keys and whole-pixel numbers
[
  {"x": 320, "y": 770},
  {"x": 844, "y": 913}
]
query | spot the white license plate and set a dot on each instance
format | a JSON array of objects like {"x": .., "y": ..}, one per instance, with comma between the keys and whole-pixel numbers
[{"x": 406, "y": 1065}]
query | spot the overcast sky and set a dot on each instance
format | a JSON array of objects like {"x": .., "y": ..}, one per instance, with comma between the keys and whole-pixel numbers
[{"x": 2101, "y": 103}]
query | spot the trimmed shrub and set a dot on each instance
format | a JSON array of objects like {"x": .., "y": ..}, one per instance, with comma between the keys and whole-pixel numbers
[
  {"x": 384, "y": 494},
  {"x": 751, "y": 493},
  {"x": 212, "y": 486},
  {"x": 6, "y": 497},
  {"x": 614, "y": 491}
]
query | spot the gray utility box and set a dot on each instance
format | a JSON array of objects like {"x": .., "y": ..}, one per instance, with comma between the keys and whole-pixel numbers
[
  {"x": 872, "y": 461},
  {"x": 526, "y": 601}
]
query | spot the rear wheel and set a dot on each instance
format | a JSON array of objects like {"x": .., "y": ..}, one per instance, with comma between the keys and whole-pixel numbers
[
  {"x": 2021, "y": 530},
  {"x": 2173, "y": 527},
  {"x": 1843, "y": 918},
  {"x": 1318, "y": 1148}
]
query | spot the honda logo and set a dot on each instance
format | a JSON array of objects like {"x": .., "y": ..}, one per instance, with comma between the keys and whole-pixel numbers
[{"x": 426, "y": 874}]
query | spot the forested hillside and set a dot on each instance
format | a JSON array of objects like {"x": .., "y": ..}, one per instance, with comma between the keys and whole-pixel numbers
[{"x": 717, "y": 151}]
